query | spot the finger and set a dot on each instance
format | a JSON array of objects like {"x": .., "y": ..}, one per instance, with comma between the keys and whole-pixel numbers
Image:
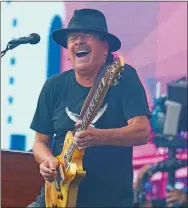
[
  {"x": 46, "y": 170},
  {"x": 83, "y": 139},
  {"x": 76, "y": 140},
  {"x": 170, "y": 194},
  {"x": 83, "y": 142},
  {"x": 84, "y": 146},
  {"x": 82, "y": 134},
  {"x": 45, "y": 164},
  {"x": 53, "y": 164},
  {"x": 49, "y": 175},
  {"x": 171, "y": 199},
  {"x": 45, "y": 167},
  {"x": 78, "y": 123},
  {"x": 87, "y": 138}
]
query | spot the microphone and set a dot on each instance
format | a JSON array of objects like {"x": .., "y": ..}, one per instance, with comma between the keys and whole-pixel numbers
[{"x": 33, "y": 38}]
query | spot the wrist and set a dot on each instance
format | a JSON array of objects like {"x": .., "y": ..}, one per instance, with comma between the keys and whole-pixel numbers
[
  {"x": 49, "y": 157},
  {"x": 102, "y": 137},
  {"x": 101, "y": 140}
]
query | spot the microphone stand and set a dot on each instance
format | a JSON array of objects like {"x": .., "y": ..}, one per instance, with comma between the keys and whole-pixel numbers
[
  {"x": 172, "y": 172},
  {"x": 9, "y": 47}
]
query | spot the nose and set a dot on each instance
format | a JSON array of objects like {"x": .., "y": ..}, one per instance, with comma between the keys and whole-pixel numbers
[{"x": 80, "y": 40}]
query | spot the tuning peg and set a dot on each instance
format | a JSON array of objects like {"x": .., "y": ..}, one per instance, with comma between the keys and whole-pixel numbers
[
  {"x": 119, "y": 75},
  {"x": 115, "y": 81}
]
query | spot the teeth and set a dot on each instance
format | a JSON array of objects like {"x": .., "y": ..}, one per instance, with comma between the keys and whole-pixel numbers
[{"x": 81, "y": 51}]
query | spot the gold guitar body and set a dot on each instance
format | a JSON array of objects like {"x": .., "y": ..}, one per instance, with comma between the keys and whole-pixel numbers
[{"x": 66, "y": 194}]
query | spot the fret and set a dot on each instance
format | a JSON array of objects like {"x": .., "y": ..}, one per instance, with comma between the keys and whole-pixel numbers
[
  {"x": 101, "y": 86},
  {"x": 97, "y": 95},
  {"x": 81, "y": 127},
  {"x": 103, "y": 82},
  {"x": 84, "y": 121},
  {"x": 92, "y": 104},
  {"x": 88, "y": 113}
]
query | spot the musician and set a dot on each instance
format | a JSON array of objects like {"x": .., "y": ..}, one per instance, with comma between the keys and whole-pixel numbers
[{"x": 121, "y": 122}]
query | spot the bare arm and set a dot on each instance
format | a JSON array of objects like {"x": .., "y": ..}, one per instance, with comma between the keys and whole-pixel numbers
[
  {"x": 135, "y": 133},
  {"x": 43, "y": 155},
  {"x": 41, "y": 147}
]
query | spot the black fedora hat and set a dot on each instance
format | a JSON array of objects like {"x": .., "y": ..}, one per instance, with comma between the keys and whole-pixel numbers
[{"x": 89, "y": 20}]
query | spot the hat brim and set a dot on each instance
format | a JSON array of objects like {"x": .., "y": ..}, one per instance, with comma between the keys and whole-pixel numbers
[{"x": 60, "y": 37}]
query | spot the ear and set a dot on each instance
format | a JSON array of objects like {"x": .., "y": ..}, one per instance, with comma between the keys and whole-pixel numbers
[
  {"x": 106, "y": 48},
  {"x": 68, "y": 54}
]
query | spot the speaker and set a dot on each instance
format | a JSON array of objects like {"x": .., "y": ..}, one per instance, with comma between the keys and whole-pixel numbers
[
  {"x": 173, "y": 110},
  {"x": 177, "y": 92}
]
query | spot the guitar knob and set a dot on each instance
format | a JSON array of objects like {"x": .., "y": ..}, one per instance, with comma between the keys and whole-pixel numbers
[{"x": 60, "y": 196}]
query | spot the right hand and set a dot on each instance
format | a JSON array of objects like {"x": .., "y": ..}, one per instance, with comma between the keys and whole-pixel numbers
[{"x": 48, "y": 169}]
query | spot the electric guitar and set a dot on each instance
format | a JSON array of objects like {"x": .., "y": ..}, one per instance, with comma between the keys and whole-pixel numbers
[{"x": 62, "y": 192}]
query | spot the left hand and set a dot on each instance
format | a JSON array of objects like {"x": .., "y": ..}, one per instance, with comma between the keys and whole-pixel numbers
[{"x": 87, "y": 138}]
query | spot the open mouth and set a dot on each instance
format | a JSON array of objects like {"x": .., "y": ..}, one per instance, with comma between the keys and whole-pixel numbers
[{"x": 81, "y": 54}]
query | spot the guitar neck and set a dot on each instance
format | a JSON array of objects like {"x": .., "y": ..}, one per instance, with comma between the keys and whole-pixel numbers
[
  {"x": 91, "y": 111},
  {"x": 94, "y": 105}
]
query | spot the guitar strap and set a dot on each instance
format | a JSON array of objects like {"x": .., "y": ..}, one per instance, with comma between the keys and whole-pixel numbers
[{"x": 97, "y": 80}]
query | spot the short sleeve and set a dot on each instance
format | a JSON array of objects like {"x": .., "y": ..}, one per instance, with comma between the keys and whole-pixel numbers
[
  {"x": 42, "y": 120},
  {"x": 134, "y": 99}
]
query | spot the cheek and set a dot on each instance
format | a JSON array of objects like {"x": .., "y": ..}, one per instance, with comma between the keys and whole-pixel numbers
[
  {"x": 70, "y": 52},
  {"x": 100, "y": 52},
  {"x": 100, "y": 49}
]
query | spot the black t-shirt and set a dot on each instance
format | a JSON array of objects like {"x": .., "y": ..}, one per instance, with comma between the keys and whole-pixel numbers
[{"x": 109, "y": 168}]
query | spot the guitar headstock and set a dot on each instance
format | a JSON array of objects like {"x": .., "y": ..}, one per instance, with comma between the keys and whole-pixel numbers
[{"x": 115, "y": 69}]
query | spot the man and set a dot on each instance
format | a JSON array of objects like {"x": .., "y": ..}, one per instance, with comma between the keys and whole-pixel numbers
[
  {"x": 174, "y": 197},
  {"x": 121, "y": 122}
]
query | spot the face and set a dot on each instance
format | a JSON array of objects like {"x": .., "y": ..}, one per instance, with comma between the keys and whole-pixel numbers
[{"x": 86, "y": 51}]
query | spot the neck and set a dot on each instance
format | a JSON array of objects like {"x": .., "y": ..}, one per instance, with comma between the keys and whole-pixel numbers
[{"x": 86, "y": 80}]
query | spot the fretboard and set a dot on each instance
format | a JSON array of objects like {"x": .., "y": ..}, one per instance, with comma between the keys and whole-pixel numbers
[
  {"x": 93, "y": 106},
  {"x": 90, "y": 113}
]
